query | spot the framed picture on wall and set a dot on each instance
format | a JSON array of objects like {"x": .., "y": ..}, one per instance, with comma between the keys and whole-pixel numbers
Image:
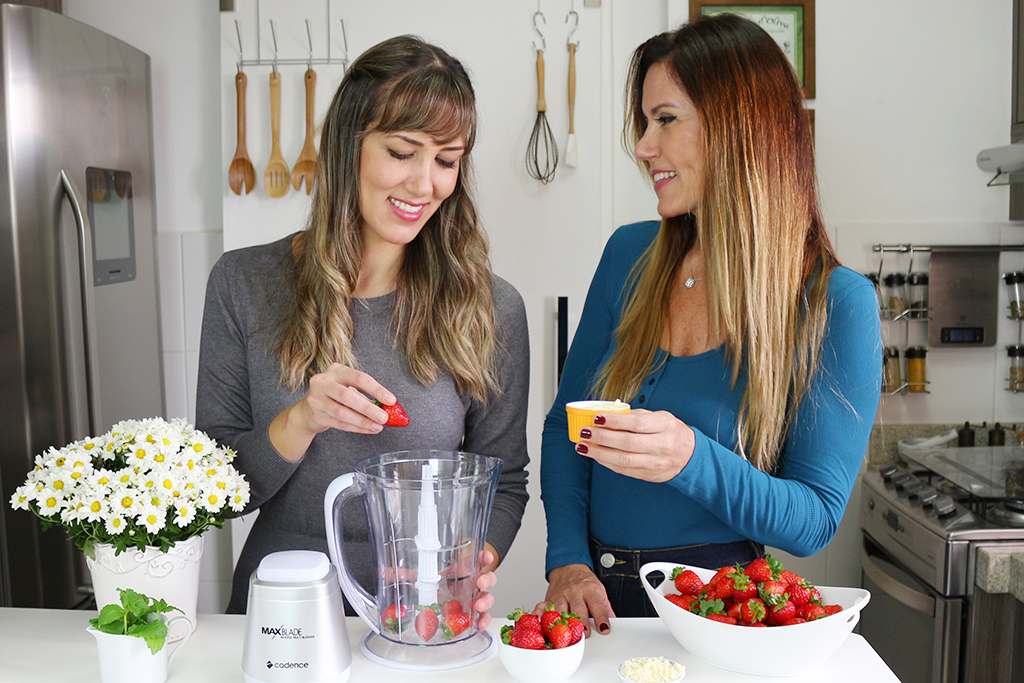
[{"x": 789, "y": 22}]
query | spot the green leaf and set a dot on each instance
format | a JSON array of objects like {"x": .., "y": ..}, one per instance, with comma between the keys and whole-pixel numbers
[
  {"x": 109, "y": 615},
  {"x": 149, "y": 629},
  {"x": 135, "y": 603}
]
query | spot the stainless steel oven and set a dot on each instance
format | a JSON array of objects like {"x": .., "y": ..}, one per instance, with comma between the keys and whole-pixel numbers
[{"x": 922, "y": 524}]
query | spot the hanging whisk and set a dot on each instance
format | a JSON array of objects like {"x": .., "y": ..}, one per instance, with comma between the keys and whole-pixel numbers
[{"x": 542, "y": 151}]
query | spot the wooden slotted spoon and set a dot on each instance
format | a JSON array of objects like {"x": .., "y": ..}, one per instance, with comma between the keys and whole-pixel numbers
[
  {"x": 241, "y": 170},
  {"x": 305, "y": 167},
  {"x": 275, "y": 178}
]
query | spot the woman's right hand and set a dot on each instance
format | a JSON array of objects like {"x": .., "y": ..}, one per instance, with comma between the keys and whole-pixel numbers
[
  {"x": 337, "y": 399},
  {"x": 575, "y": 588}
]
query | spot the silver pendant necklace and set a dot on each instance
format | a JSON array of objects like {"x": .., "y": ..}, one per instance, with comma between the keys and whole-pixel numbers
[{"x": 691, "y": 281}]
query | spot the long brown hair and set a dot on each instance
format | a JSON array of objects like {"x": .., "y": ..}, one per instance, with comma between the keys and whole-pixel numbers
[
  {"x": 444, "y": 311},
  {"x": 766, "y": 254}
]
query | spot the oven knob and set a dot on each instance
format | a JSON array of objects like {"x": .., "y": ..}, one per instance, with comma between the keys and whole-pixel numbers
[
  {"x": 944, "y": 506},
  {"x": 900, "y": 478},
  {"x": 913, "y": 486},
  {"x": 887, "y": 471},
  {"x": 926, "y": 495}
]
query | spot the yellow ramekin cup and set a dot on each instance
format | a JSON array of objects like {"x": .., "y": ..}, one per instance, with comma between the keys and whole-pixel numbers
[{"x": 581, "y": 414}]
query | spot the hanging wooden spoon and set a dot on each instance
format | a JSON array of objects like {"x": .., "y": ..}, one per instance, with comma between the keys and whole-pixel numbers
[
  {"x": 275, "y": 178},
  {"x": 241, "y": 171},
  {"x": 305, "y": 167}
]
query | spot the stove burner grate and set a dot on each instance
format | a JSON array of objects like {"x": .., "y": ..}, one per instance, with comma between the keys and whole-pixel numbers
[{"x": 1008, "y": 513}]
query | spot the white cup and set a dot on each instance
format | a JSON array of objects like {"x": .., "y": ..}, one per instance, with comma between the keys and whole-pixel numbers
[{"x": 127, "y": 659}]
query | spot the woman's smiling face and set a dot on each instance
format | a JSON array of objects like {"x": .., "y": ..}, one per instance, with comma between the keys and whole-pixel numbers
[
  {"x": 672, "y": 143},
  {"x": 403, "y": 178}
]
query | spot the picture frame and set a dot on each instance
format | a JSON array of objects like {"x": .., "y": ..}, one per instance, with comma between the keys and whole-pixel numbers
[{"x": 790, "y": 22}]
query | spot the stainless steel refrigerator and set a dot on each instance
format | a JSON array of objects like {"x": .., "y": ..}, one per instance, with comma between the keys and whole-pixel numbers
[{"x": 80, "y": 345}]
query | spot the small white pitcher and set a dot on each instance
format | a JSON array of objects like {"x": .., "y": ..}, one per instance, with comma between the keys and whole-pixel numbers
[{"x": 127, "y": 659}]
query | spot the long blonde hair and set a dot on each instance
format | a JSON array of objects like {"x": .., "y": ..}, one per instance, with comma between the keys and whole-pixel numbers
[
  {"x": 766, "y": 254},
  {"x": 444, "y": 310}
]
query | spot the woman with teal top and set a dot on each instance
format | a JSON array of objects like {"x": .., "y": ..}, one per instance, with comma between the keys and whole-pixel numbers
[{"x": 750, "y": 357}]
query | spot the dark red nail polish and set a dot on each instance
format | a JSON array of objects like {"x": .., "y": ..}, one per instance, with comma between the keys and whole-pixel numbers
[
  {"x": 584, "y": 433},
  {"x": 599, "y": 419},
  {"x": 581, "y": 448},
  {"x": 603, "y": 628}
]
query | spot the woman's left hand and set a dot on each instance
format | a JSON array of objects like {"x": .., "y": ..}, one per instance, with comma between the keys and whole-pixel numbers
[
  {"x": 484, "y": 583},
  {"x": 650, "y": 446}
]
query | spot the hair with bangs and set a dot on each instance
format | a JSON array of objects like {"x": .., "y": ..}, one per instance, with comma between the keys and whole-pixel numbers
[
  {"x": 444, "y": 311},
  {"x": 766, "y": 254}
]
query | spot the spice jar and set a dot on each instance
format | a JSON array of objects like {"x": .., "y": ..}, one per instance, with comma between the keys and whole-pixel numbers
[
  {"x": 895, "y": 291},
  {"x": 915, "y": 368},
  {"x": 1016, "y": 354},
  {"x": 918, "y": 295},
  {"x": 891, "y": 370},
  {"x": 1015, "y": 289}
]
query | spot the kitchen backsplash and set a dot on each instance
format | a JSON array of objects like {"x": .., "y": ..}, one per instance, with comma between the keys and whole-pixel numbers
[{"x": 884, "y": 438}]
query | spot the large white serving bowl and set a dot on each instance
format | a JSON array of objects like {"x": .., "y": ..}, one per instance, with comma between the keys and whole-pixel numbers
[
  {"x": 772, "y": 651},
  {"x": 535, "y": 666}
]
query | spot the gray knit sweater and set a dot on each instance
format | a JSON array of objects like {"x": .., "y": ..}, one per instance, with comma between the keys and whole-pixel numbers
[{"x": 239, "y": 392}]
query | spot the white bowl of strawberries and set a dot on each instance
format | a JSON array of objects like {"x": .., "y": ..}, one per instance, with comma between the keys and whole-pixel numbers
[
  {"x": 717, "y": 614},
  {"x": 547, "y": 648}
]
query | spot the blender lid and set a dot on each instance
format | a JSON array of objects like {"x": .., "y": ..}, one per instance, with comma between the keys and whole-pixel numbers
[{"x": 293, "y": 566}]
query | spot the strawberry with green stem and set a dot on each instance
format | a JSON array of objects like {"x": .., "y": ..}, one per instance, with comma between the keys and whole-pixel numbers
[{"x": 396, "y": 414}]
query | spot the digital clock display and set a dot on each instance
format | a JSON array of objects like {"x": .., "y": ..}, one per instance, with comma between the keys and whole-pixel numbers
[{"x": 963, "y": 335}]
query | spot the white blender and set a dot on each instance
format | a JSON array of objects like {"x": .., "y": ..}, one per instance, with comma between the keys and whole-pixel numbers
[{"x": 428, "y": 513}]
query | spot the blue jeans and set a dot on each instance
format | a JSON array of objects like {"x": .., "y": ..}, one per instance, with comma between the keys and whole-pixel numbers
[{"x": 619, "y": 568}]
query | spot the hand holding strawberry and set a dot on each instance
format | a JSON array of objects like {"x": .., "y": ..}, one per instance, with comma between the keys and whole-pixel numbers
[{"x": 396, "y": 414}]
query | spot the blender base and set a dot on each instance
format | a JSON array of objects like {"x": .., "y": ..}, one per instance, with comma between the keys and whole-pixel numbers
[{"x": 439, "y": 657}]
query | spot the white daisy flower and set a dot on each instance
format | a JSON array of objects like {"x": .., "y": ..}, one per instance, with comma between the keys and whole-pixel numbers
[
  {"x": 50, "y": 501},
  {"x": 23, "y": 495},
  {"x": 93, "y": 508},
  {"x": 213, "y": 499},
  {"x": 152, "y": 517},
  {"x": 184, "y": 513},
  {"x": 126, "y": 501},
  {"x": 115, "y": 525}
]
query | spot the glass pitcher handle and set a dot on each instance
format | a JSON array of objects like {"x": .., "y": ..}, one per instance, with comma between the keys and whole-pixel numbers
[{"x": 341, "y": 489}]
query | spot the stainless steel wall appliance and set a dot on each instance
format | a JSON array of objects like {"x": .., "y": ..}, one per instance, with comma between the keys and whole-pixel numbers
[
  {"x": 80, "y": 344},
  {"x": 923, "y": 523}
]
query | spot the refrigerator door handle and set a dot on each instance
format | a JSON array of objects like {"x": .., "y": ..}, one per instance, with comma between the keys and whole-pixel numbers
[{"x": 88, "y": 301}]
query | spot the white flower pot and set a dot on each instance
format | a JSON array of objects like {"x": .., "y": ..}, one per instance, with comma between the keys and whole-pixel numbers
[
  {"x": 172, "y": 576},
  {"x": 127, "y": 659}
]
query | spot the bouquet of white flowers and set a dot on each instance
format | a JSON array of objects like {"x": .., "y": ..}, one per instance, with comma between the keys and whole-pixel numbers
[{"x": 143, "y": 483}]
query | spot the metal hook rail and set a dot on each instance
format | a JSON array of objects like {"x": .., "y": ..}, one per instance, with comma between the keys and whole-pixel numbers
[{"x": 309, "y": 62}]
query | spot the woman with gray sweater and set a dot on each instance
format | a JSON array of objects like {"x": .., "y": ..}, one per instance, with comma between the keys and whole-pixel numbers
[{"x": 387, "y": 297}]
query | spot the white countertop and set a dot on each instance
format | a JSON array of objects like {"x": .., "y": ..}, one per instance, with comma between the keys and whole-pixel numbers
[{"x": 43, "y": 646}]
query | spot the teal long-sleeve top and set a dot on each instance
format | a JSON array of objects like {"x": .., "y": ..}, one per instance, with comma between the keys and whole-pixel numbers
[{"x": 718, "y": 497}]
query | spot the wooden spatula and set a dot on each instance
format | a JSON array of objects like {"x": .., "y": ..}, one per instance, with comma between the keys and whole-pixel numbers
[
  {"x": 275, "y": 178},
  {"x": 241, "y": 171},
  {"x": 305, "y": 167}
]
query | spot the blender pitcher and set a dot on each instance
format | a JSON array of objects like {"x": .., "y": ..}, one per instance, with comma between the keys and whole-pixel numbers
[{"x": 427, "y": 512}]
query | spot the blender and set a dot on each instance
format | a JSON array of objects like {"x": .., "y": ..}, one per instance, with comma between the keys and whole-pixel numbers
[{"x": 427, "y": 513}]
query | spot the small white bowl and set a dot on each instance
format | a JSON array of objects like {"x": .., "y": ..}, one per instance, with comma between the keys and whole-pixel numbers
[
  {"x": 533, "y": 666},
  {"x": 772, "y": 651},
  {"x": 626, "y": 679}
]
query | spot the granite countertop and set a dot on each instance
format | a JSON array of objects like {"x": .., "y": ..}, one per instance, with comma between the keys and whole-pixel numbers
[{"x": 1001, "y": 570}]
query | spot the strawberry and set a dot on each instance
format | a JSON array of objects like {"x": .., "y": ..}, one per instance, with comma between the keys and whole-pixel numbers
[
  {"x": 393, "y": 615},
  {"x": 525, "y": 620},
  {"x": 735, "y": 611},
  {"x": 396, "y": 414},
  {"x": 683, "y": 601},
  {"x": 548, "y": 618},
  {"x": 576, "y": 627},
  {"x": 721, "y": 588},
  {"x": 763, "y": 569},
  {"x": 687, "y": 582},
  {"x": 426, "y": 622},
  {"x": 832, "y": 609},
  {"x": 787, "y": 576},
  {"x": 771, "y": 588},
  {"x": 793, "y": 621},
  {"x": 783, "y": 612},
  {"x": 743, "y": 588},
  {"x": 451, "y": 607},
  {"x": 454, "y": 624},
  {"x": 527, "y": 638},
  {"x": 760, "y": 623},
  {"x": 799, "y": 593},
  {"x": 753, "y": 611},
  {"x": 560, "y": 634},
  {"x": 722, "y": 573},
  {"x": 812, "y": 612},
  {"x": 722, "y": 618}
]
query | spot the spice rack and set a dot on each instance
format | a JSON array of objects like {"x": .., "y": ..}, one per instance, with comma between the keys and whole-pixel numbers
[{"x": 893, "y": 292}]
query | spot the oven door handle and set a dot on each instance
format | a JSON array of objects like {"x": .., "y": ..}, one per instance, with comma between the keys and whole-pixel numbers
[{"x": 913, "y": 599}]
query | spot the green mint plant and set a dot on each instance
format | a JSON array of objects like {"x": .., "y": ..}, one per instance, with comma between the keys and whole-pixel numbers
[{"x": 135, "y": 616}]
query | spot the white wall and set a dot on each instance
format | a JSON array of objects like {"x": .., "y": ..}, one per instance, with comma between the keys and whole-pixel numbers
[{"x": 907, "y": 94}]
